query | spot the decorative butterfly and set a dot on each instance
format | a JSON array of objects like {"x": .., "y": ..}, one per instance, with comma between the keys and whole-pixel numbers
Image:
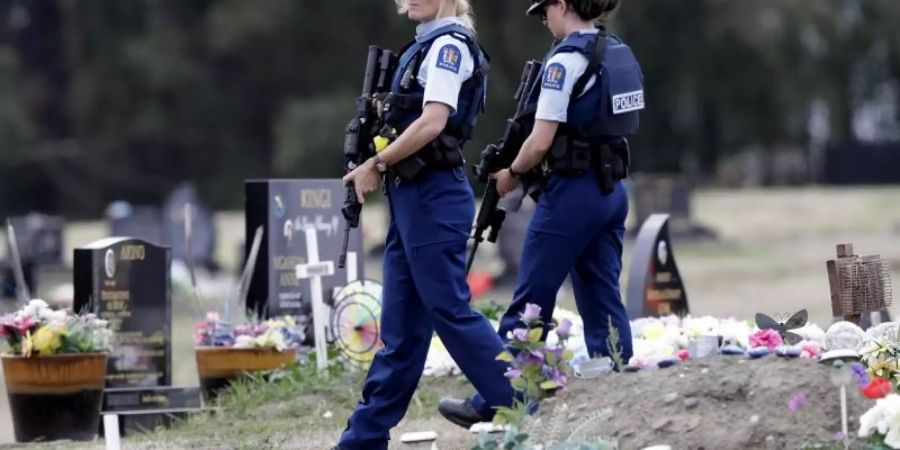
[{"x": 798, "y": 320}]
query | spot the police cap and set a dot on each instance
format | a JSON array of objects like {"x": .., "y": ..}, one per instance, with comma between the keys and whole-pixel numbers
[{"x": 536, "y": 6}]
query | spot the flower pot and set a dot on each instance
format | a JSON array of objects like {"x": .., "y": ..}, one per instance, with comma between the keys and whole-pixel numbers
[
  {"x": 218, "y": 366},
  {"x": 55, "y": 397}
]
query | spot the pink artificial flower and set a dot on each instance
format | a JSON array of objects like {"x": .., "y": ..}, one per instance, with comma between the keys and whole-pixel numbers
[
  {"x": 766, "y": 338},
  {"x": 636, "y": 361},
  {"x": 683, "y": 354},
  {"x": 812, "y": 348}
]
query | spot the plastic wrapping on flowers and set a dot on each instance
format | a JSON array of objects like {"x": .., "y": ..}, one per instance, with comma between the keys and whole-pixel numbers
[
  {"x": 280, "y": 334},
  {"x": 39, "y": 330}
]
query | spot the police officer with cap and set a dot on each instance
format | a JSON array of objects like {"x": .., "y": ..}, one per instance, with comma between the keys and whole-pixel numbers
[
  {"x": 438, "y": 91},
  {"x": 586, "y": 103}
]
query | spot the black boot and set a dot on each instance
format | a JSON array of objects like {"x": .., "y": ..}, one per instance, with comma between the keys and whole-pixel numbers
[{"x": 459, "y": 412}]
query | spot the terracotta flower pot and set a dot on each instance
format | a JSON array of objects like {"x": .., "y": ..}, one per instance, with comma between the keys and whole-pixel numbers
[
  {"x": 218, "y": 366},
  {"x": 55, "y": 397}
]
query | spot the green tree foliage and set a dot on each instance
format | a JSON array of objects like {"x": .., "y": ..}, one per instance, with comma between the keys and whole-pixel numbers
[{"x": 109, "y": 99}]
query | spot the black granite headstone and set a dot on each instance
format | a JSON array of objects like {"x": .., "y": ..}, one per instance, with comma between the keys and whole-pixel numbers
[
  {"x": 285, "y": 208},
  {"x": 127, "y": 282},
  {"x": 655, "y": 287}
]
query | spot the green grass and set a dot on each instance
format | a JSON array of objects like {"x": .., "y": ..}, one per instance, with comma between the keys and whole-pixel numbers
[{"x": 290, "y": 408}]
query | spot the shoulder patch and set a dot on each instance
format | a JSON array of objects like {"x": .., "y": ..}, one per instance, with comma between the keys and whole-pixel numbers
[
  {"x": 554, "y": 77},
  {"x": 449, "y": 58}
]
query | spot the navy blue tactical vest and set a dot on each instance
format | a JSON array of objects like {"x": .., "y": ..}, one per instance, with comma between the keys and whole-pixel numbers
[
  {"x": 608, "y": 111},
  {"x": 405, "y": 102}
]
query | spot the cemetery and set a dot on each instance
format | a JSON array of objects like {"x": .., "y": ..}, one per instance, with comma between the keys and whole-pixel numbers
[
  {"x": 741, "y": 380},
  {"x": 212, "y": 238}
]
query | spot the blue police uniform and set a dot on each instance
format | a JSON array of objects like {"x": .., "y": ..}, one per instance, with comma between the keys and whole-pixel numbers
[
  {"x": 577, "y": 229},
  {"x": 425, "y": 289}
]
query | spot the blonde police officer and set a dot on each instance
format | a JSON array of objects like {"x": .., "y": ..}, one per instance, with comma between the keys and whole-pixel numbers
[{"x": 437, "y": 94}]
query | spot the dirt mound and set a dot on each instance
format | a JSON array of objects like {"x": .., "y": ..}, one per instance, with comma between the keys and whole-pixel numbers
[{"x": 717, "y": 403}]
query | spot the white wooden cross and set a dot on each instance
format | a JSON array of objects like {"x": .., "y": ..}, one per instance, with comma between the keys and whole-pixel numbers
[{"x": 314, "y": 270}]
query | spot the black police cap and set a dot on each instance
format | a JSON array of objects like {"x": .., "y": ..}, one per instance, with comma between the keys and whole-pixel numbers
[{"x": 536, "y": 6}]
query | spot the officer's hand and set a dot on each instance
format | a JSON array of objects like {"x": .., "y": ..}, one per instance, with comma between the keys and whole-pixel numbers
[
  {"x": 364, "y": 178},
  {"x": 506, "y": 183}
]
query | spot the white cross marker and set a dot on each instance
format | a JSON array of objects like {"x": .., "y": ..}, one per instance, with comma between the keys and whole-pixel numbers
[{"x": 314, "y": 270}]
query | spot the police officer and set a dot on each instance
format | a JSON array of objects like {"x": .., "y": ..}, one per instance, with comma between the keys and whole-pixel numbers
[
  {"x": 437, "y": 93},
  {"x": 586, "y": 104}
]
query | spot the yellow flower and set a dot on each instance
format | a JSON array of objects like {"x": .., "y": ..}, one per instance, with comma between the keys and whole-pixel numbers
[
  {"x": 48, "y": 339},
  {"x": 654, "y": 331},
  {"x": 27, "y": 345}
]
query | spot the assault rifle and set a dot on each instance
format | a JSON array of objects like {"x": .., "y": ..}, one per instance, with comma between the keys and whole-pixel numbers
[
  {"x": 499, "y": 156},
  {"x": 358, "y": 146}
]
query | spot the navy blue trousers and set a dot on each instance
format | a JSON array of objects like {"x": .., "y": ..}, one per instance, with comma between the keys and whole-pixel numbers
[
  {"x": 425, "y": 291},
  {"x": 575, "y": 232}
]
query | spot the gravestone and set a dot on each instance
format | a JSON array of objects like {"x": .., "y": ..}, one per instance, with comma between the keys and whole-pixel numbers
[
  {"x": 203, "y": 237},
  {"x": 127, "y": 282},
  {"x": 655, "y": 287},
  {"x": 285, "y": 209},
  {"x": 40, "y": 243}
]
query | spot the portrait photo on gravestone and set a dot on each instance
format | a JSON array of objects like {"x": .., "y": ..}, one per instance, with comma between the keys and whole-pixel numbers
[{"x": 450, "y": 224}]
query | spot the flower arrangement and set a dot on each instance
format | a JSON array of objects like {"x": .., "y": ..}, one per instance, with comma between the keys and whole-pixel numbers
[
  {"x": 882, "y": 359},
  {"x": 38, "y": 330},
  {"x": 881, "y": 423},
  {"x": 281, "y": 334},
  {"x": 537, "y": 369}
]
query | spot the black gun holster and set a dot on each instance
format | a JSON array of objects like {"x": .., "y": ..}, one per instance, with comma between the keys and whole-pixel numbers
[
  {"x": 570, "y": 156},
  {"x": 445, "y": 152}
]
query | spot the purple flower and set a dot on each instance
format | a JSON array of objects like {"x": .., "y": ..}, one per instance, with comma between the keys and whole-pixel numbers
[
  {"x": 860, "y": 375},
  {"x": 512, "y": 374},
  {"x": 564, "y": 330},
  {"x": 520, "y": 334},
  {"x": 532, "y": 313},
  {"x": 839, "y": 436},
  {"x": 796, "y": 402}
]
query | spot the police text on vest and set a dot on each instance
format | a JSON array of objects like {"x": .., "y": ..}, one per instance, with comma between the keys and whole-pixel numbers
[{"x": 627, "y": 102}]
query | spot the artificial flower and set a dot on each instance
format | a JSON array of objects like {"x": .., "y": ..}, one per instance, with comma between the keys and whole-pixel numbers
[
  {"x": 796, "y": 402},
  {"x": 564, "y": 329},
  {"x": 532, "y": 313},
  {"x": 512, "y": 374},
  {"x": 48, "y": 339},
  {"x": 877, "y": 388},
  {"x": 766, "y": 338},
  {"x": 683, "y": 354}
]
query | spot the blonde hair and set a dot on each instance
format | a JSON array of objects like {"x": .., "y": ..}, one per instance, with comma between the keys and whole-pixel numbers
[{"x": 461, "y": 9}]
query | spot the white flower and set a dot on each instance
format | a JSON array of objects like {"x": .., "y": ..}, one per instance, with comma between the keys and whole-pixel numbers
[
  {"x": 212, "y": 316},
  {"x": 884, "y": 419},
  {"x": 243, "y": 341},
  {"x": 35, "y": 308}
]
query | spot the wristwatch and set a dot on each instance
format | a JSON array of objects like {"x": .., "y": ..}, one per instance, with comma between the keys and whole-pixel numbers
[
  {"x": 513, "y": 172},
  {"x": 380, "y": 165}
]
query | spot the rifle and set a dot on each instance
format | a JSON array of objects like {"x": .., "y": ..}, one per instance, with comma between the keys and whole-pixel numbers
[
  {"x": 358, "y": 145},
  {"x": 499, "y": 156}
]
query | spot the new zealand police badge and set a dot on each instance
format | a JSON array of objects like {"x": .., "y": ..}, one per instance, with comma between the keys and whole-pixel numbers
[
  {"x": 555, "y": 77},
  {"x": 449, "y": 58}
]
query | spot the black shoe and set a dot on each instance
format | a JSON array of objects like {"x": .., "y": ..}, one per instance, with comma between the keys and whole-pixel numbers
[{"x": 459, "y": 412}]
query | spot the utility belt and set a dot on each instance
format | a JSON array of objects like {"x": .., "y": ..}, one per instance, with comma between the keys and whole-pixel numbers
[
  {"x": 445, "y": 152},
  {"x": 570, "y": 156}
]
